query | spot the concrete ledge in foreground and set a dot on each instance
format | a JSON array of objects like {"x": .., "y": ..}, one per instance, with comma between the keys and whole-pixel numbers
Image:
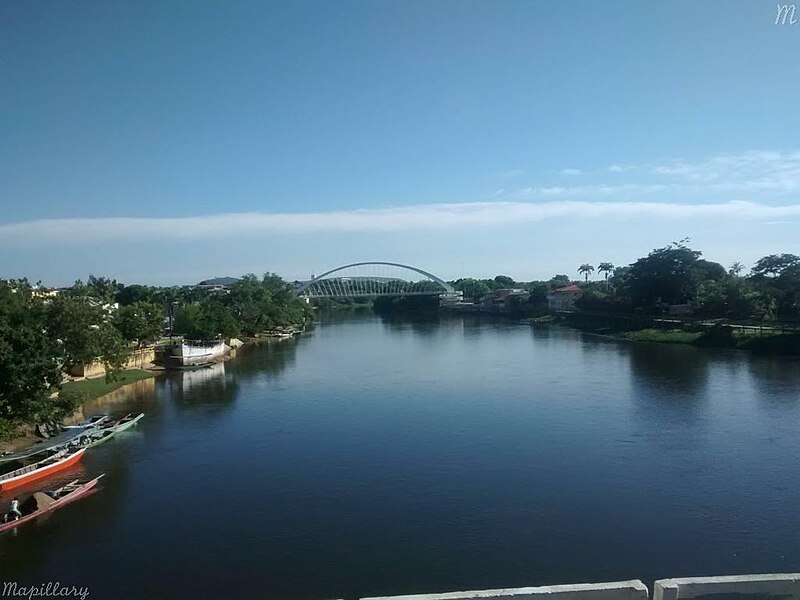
[
  {"x": 778, "y": 586},
  {"x": 618, "y": 590}
]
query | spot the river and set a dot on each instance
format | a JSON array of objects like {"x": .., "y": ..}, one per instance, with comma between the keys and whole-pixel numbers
[{"x": 374, "y": 456}]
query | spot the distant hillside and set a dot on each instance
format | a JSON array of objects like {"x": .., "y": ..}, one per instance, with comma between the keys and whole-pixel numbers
[{"x": 226, "y": 281}]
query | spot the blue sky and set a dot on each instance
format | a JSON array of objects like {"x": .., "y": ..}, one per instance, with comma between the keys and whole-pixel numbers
[{"x": 166, "y": 142}]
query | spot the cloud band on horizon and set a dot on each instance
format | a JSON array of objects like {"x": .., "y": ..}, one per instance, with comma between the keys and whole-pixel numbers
[{"x": 408, "y": 218}]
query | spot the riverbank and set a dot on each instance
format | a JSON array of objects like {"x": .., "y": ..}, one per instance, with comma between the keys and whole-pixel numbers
[
  {"x": 713, "y": 336},
  {"x": 86, "y": 390},
  {"x": 91, "y": 389},
  {"x": 14, "y": 437}
]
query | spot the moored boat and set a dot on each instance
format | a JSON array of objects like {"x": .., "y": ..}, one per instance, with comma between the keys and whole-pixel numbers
[
  {"x": 91, "y": 422},
  {"x": 127, "y": 421},
  {"x": 196, "y": 353},
  {"x": 57, "y": 442},
  {"x": 43, "y": 502},
  {"x": 105, "y": 433},
  {"x": 39, "y": 470}
]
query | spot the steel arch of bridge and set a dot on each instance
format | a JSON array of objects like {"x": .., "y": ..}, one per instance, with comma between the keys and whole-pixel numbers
[{"x": 307, "y": 288}]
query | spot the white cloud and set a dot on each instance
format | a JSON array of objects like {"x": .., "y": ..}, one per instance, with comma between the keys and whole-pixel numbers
[
  {"x": 758, "y": 174},
  {"x": 508, "y": 174},
  {"x": 409, "y": 218},
  {"x": 626, "y": 190},
  {"x": 752, "y": 171}
]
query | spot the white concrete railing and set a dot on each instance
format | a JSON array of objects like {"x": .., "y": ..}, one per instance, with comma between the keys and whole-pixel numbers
[
  {"x": 783, "y": 586},
  {"x": 779, "y": 585},
  {"x": 618, "y": 590}
]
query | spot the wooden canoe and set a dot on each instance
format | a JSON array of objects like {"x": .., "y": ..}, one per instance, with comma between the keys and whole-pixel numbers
[
  {"x": 128, "y": 421},
  {"x": 103, "y": 434},
  {"x": 44, "y": 468},
  {"x": 95, "y": 421},
  {"x": 45, "y": 502}
]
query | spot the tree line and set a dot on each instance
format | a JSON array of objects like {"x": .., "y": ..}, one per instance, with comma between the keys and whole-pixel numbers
[
  {"x": 43, "y": 332},
  {"x": 678, "y": 275},
  {"x": 672, "y": 275}
]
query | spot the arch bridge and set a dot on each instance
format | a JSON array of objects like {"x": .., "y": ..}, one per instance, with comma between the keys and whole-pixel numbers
[{"x": 377, "y": 278}]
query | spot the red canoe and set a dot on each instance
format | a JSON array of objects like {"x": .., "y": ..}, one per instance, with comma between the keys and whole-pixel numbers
[
  {"x": 44, "y": 502},
  {"x": 44, "y": 468}
]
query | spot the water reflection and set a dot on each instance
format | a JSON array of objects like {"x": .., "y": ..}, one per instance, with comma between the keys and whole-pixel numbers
[
  {"x": 776, "y": 379},
  {"x": 141, "y": 393},
  {"x": 541, "y": 332},
  {"x": 681, "y": 369},
  {"x": 424, "y": 325},
  {"x": 204, "y": 387},
  {"x": 268, "y": 359},
  {"x": 198, "y": 378}
]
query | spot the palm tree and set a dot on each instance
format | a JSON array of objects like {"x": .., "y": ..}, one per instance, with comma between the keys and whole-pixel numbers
[
  {"x": 606, "y": 268},
  {"x": 736, "y": 268},
  {"x": 586, "y": 269}
]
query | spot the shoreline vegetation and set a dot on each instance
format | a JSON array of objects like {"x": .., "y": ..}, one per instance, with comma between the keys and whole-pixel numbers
[
  {"x": 672, "y": 295},
  {"x": 714, "y": 336},
  {"x": 48, "y": 336}
]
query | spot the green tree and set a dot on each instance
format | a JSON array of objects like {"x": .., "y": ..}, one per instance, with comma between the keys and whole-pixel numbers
[
  {"x": 586, "y": 269},
  {"x": 736, "y": 269},
  {"x": 206, "y": 320},
  {"x": 778, "y": 276},
  {"x": 129, "y": 294},
  {"x": 84, "y": 328},
  {"x": 103, "y": 288},
  {"x": 776, "y": 265},
  {"x": 190, "y": 321},
  {"x": 141, "y": 322},
  {"x": 558, "y": 281},
  {"x": 504, "y": 282},
  {"x": 473, "y": 289},
  {"x": 606, "y": 268},
  {"x": 665, "y": 275},
  {"x": 29, "y": 358},
  {"x": 538, "y": 292},
  {"x": 251, "y": 306},
  {"x": 706, "y": 270}
]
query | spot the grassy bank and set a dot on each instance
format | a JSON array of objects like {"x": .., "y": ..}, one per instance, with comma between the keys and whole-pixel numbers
[
  {"x": 785, "y": 344},
  {"x": 20, "y": 434},
  {"x": 661, "y": 336},
  {"x": 89, "y": 389}
]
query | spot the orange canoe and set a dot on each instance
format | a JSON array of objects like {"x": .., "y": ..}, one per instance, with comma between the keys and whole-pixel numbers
[{"x": 44, "y": 468}]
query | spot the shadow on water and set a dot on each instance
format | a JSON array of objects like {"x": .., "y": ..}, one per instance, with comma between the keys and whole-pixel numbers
[
  {"x": 268, "y": 359},
  {"x": 777, "y": 381},
  {"x": 541, "y": 332},
  {"x": 424, "y": 325},
  {"x": 669, "y": 381},
  {"x": 680, "y": 370}
]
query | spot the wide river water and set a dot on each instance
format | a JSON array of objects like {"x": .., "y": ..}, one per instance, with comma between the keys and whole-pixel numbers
[{"x": 374, "y": 456}]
